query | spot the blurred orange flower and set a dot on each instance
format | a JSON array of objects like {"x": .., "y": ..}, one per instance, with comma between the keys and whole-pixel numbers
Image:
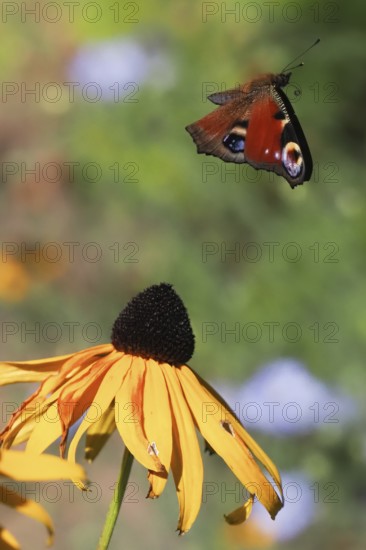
[{"x": 14, "y": 281}]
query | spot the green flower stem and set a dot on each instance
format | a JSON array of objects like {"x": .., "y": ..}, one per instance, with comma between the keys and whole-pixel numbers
[{"x": 116, "y": 502}]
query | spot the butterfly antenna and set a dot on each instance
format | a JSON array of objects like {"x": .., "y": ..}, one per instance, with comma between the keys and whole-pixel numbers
[{"x": 289, "y": 68}]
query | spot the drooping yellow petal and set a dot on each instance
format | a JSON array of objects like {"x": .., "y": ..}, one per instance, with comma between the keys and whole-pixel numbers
[
  {"x": 187, "y": 465},
  {"x": 239, "y": 428},
  {"x": 99, "y": 433},
  {"x": 39, "y": 369},
  {"x": 31, "y": 467},
  {"x": 227, "y": 443},
  {"x": 7, "y": 541},
  {"x": 101, "y": 402},
  {"x": 47, "y": 426},
  {"x": 34, "y": 406},
  {"x": 49, "y": 391},
  {"x": 78, "y": 362},
  {"x": 28, "y": 411},
  {"x": 77, "y": 395},
  {"x": 27, "y": 507},
  {"x": 12, "y": 372},
  {"x": 129, "y": 417},
  {"x": 46, "y": 430},
  {"x": 157, "y": 423},
  {"x": 242, "y": 513},
  {"x": 24, "y": 433},
  {"x": 29, "y": 416}
]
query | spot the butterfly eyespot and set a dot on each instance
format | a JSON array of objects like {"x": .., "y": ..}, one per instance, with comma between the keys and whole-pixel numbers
[
  {"x": 234, "y": 142},
  {"x": 292, "y": 159}
]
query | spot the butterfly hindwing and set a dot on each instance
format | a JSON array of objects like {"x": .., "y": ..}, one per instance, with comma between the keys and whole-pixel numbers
[{"x": 221, "y": 98}]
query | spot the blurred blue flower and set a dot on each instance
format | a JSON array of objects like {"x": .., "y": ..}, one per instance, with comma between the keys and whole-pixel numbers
[
  {"x": 284, "y": 398},
  {"x": 299, "y": 510},
  {"x": 125, "y": 61}
]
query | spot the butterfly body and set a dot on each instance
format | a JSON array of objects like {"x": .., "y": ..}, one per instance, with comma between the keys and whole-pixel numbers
[{"x": 255, "y": 123}]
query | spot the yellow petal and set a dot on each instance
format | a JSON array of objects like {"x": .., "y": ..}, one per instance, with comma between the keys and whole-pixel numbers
[
  {"x": 27, "y": 507},
  {"x": 79, "y": 361},
  {"x": 46, "y": 430},
  {"x": 77, "y": 395},
  {"x": 28, "y": 417},
  {"x": 223, "y": 438},
  {"x": 157, "y": 423},
  {"x": 99, "y": 433},
  {"x": 7, "y": 541},
  {"x": 239, "y": 428},
  {"x": 30, "y": 371},
  {"x": 129, "y": 417},
  {"x": 102, "y": 400},
  {"x": 40, "y": 429},
  {"x": 242, "y": 513},
  {"x": 69, "y": 365},
  {"x": 31, "y": 409},
  {"x": 24, "y": 433},
  {"x": 31, "y": 467},
  {"x": 187, "y": 465},
  {"x": 43, "y": 413},
  {"x": 38, "y": 369}
]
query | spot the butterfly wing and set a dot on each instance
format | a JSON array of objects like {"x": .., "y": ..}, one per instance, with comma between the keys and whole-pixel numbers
[
  {"x": 259, "y": 128},
  {"x": 221, "y": 98},
  {"x": 294, "y": 131},
  {"x": 275, "y": 140},
  {"x": 228, "y": 123}
]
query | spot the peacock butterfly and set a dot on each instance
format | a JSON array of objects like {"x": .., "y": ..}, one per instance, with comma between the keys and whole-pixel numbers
[{"x": 255, "y": 123}]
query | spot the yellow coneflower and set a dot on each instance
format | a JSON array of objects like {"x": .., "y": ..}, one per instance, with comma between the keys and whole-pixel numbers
[
  {"x": 23, "y": 466},
  {"x": 141, "y": 384}
]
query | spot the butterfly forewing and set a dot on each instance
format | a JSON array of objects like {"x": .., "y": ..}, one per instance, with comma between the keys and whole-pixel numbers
[
  {"x": 211, "y": 132},
  {"x": 294, "y": 132}
]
